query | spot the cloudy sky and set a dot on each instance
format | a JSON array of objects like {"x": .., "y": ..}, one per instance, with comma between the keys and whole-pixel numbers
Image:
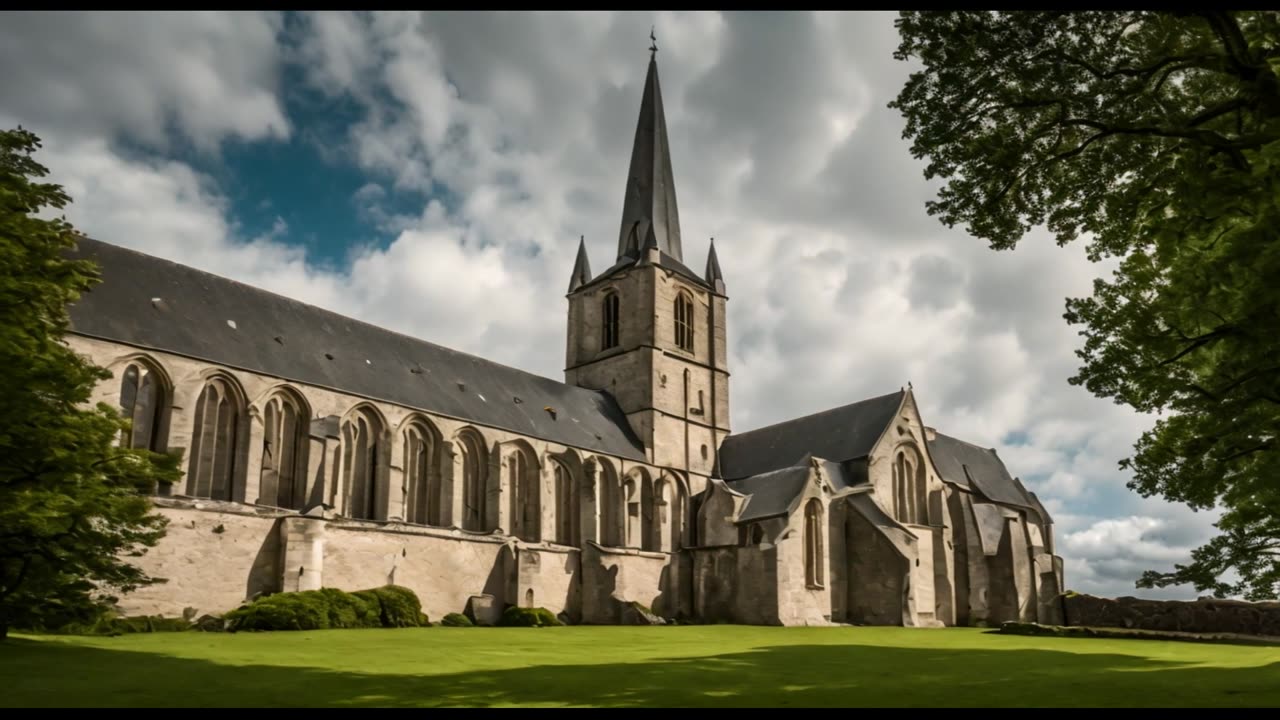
[{"x": 432, "y": 174}]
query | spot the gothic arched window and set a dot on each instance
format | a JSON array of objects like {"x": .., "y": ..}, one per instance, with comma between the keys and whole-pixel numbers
[
  {"x": 610, "y": 339},
  {"x": 425, "y": 502},
  {"x": 145, "y": 401},
  {"x": 475, "y": 485},
  {"x": 684, "y": 322},
  {"x": 566, "y": 506},
  {"x": 526, "y": 505},
  {"x": 216, "y": 465},
  {"x": 362, "y": 446},
  {"x": 813, "y": 543},
  {"x": 283, "y": 482}
]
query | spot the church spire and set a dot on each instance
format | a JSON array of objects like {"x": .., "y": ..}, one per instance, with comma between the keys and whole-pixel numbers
[
  {"x": 649, "y": 207},
  {"x": 581, "y": 267},
  {"x": 714, "y": 277}
]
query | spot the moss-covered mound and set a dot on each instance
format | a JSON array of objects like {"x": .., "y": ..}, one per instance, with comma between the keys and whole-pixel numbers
[{"x": 528, "y": 617}]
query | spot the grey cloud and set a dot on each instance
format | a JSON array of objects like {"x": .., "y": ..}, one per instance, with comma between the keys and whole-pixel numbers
[
  {"x": 143, "y": 75},
  {"x": 936, "y": 282}
]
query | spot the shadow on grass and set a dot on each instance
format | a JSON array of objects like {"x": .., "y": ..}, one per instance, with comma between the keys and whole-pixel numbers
[{"x": 46, "y": 674}]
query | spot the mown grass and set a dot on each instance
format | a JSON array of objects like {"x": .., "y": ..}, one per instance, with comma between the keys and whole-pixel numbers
[{"x": 630, "y": 666}]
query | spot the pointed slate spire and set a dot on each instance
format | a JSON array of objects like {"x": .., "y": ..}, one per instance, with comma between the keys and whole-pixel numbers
[
  {"x": 650, "y": 201},
  {"x": 714, "y": 277},
  {"x": 581, "y": 267}
]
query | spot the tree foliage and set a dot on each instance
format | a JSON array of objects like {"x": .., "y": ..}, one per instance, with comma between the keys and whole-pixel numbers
[
  {"x": 1155, "y": 136},
  {"x": 73, "y": 505}
]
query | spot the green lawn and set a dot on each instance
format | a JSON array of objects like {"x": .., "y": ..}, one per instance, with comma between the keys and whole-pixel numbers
[{"x": 644, "y": 666}]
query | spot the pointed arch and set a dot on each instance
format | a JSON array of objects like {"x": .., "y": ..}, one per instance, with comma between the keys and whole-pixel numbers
[
  {"x": 364, "y": 462},
  {"x": 671, "y": 507},
  {"x": 642, "y": 527},
  {"x": 524, "y": 483},
  {"x": 146, "y": 396},
  {"x": 474, "y": 454},
  {"x": 568, "y": 503},
  {"x": 684, "y": 321},
  {"x": 610, "y": 320},
  {"x": 425, "y": 498},
  {"x": 219, "y": 441},
  {"x": 633, "y": 495},
  {"x": 613, "y": 506},
  {"x": 285, "y": 445},
  {"x": 909, "y": 503},
  {"x": 813, "y": 555}
]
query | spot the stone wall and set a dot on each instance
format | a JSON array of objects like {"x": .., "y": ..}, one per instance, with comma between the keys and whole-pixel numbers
[
  {"x": 878, "y": 576},
  {"x": 1199, "y": 616},
  {"x": 612, "y": 577},
  {"x": 212, "y": 561},
  {"x": 736, "y": 584},
  {"x": 444, "y": 571},
  {"x": 549, "y": 578}
]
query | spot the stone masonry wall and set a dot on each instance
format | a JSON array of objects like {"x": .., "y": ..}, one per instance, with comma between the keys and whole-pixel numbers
[
  {"x": 1200, "y": 616},
  {"x": 736, "y": 584},
  {"x": 611, "y": 577},
  {"x": 549, "y": 578},
  {"x": 211, "y": 561},
  {"x": 444, "y": 571}
]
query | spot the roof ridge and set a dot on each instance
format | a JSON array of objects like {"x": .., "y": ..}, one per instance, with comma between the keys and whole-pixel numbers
[
  {"x": 816, "y": 414},
  {"x": 348, "y": 318},
  {"x": 966, "y": 442}
]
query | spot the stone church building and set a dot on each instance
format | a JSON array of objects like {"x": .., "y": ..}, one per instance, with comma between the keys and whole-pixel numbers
[{"x": 321, "y": 451}]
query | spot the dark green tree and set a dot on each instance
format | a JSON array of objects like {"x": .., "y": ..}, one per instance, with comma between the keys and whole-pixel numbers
[
  {"x": 1155, "y": 137},
  {"x": 73, "y": 504}
]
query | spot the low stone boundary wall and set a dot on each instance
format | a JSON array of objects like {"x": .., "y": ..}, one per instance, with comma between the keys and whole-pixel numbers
[
  {"x": 1206, "y": 615},
  {"x": 1020, "y": 628}
]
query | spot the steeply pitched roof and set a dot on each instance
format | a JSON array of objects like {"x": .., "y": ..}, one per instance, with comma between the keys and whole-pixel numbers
[
  {"x": 148, "y": 302},
  {"x": 714, "y": 276},
  {"x": 967, "y": 465},
  {"x": 581, "y": 267},
  {"x": 838, "y": 434},
  {"x": 770, "y": 494},
  {"x": 649, "y": 206}
]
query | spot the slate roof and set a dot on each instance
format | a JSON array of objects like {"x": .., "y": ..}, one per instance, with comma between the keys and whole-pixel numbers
[
  {"x": 770, "y": 494},
  {"x": 838, "y": 434},
  {"x": 149, "y": 302},
  {"x": 649, "y": 206},
  {"x": 978, "y": 468}
]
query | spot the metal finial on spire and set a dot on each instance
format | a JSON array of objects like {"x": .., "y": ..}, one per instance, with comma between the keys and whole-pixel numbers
[{"x": 653, "y": 48}]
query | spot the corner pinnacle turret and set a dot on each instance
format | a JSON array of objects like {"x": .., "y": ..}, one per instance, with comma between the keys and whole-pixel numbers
[{"x": 581, "y": 267}]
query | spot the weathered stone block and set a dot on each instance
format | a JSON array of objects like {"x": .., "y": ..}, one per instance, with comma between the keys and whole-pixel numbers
[{"x": 484, "y": 610}]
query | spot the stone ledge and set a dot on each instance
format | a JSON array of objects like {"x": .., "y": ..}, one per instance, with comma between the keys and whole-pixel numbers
[
  {"x": 225, "y": 507},
  {"x": 397, "y": 528},
  {"x": 653, "y": 554},
  {"x": 1036, "y": 629}
]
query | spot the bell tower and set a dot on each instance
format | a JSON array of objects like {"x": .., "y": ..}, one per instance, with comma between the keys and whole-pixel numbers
[{"x": 649, "y": 330}]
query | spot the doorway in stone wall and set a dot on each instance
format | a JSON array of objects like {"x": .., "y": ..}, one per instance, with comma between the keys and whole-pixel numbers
[{"x": 528, "y": 597}]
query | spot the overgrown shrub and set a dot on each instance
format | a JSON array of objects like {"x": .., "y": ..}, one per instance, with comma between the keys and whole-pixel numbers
[
  {"x": 400, "y": 607},
  {"x": 528, "y": 617},
  {"x": 456, "y": 620},
  {"x": 330, "y": 608},
  {"x": 305, "y": 610}
]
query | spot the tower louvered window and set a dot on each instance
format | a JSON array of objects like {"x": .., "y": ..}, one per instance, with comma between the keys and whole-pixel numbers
[
  {"x": 610, "y": 339},
  {"x": 684, "y": 322}
]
